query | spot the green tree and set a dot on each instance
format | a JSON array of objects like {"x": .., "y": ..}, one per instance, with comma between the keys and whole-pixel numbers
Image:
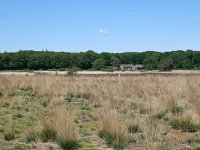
[
  {"x": 166, "y": 65},
  {"x": 99, "y": 64},
  {"x": 115, "y": 61}
]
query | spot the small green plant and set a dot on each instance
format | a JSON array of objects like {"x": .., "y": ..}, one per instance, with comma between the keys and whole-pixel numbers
[
  {"x": 48, "y": 134},
  {"x": 176, "y": 110},
  {"x": 69, "y": 97},
  {"x": 26, "y": 89},
  {"x": 83, "y": 95},
  {"x": 6, "y": 104},
  {"x": 163, "y": 146},
  {"x": 32, "y": 137},
  {"x": 196, "y": 148},
  {"x": 44, "y": 102},
  {"x": 164, "y": 133},
  {"x": 160, "y": 115},
  {"x": 68, "y": 144},
  {"x": 9, "y": 136},
  {"x": 72, "y": 71},
  {"x": 185, "y": 125},
  {"x": 193, "y": 140},
  {"x": 117, "y": 142},
  {"x": 143, "y": 110},
  {"x": 134, "y": 128},
  {"x": 108, "y": 69},
  {"x": 1, "y": 130},
  {"x": 1, "y": 93},
  {"x": 18, "y": 115}
]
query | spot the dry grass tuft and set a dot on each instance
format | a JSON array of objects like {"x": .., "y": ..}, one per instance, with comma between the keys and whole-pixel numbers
[{"x": 114, "y": 130}]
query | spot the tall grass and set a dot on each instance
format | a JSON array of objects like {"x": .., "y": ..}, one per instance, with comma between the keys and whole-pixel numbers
[
  {"x": 156, "y": 102},
  {"x": 114, "y": 130},
  {"x": 61, "y": 128}
]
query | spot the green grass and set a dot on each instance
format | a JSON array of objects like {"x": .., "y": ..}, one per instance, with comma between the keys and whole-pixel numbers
[
  {"x": 48, "y": 134},
  {"x": 184, "y": 125},
  {"x": 9, "y": 136},
  {"x": 176, "y": 110},
  {"x": 68, "y": 144},
  {"x": 117, "y": 142},
  {"x": 134, "y": 128},
  {"x": 32, "y": 137},
  {"x": 193, "y": 140},
  {"x": 143, "y": 110},
  {"x": 160, "y": 115}
]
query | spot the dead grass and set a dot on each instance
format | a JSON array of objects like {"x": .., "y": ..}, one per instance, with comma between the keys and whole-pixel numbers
[
  {"x": 152, "y": 102},
  {"x": 63, "y": 123}
]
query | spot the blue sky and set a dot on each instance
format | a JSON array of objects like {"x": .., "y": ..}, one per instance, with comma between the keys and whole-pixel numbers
[{"x": 99, "y": 25}]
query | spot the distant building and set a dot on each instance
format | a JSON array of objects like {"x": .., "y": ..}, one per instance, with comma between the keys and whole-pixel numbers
[{"x": 131, "y": 67}]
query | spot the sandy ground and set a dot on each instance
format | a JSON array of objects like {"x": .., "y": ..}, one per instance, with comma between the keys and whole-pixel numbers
[{"x": 5, "y": 73}]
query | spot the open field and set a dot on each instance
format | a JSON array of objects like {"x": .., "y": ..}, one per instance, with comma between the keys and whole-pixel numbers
[{"x": 152, "y": 112}]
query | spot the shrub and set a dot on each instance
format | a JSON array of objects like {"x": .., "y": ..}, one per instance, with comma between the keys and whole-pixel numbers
[
  {"x": 99, "y": 64},
  {"x": 166, "y": 65},
  {"x": 108, "y": 69},
  {"x": 72, "y": 71}
]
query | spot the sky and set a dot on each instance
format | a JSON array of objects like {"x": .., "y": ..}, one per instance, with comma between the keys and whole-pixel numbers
[{"x": 99, "y": 25}]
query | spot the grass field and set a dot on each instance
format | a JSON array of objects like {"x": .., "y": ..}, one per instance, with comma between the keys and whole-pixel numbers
[{"x": 153, "y": 112}]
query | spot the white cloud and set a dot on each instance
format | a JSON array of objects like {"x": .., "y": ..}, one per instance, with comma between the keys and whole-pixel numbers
[{"x": 103, "y": 32}]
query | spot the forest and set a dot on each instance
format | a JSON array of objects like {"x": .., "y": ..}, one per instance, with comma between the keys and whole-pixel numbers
[{"x": 46, "y": 60}]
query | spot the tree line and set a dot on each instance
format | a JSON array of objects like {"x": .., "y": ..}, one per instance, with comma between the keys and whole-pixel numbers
[{"x": 44, "y": 60}]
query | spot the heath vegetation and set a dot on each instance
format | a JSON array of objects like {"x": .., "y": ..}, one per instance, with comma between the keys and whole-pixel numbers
[{"x": 82, "y": 112}]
